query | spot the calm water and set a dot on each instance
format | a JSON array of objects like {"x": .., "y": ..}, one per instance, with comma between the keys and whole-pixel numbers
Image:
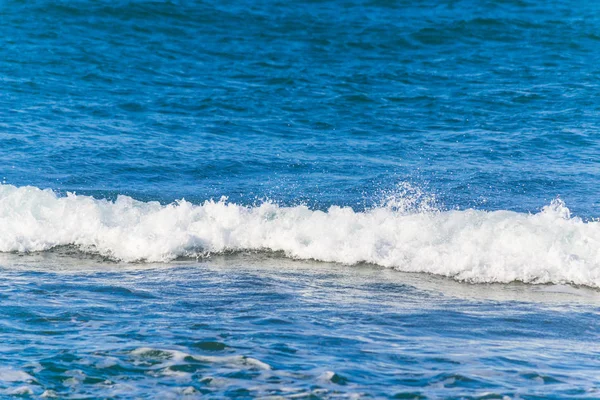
[{"x": 382, "y": 199}]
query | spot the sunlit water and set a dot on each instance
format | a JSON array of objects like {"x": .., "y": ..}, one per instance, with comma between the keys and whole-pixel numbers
[{"x": 321, "y": 199}]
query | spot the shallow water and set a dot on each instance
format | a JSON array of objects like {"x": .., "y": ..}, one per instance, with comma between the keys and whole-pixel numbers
[
  {"x": 313, "y": 199},
  {"x": 250, "y": 326}
]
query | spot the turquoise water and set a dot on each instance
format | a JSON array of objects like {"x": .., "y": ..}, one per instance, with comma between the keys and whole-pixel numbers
[{"x": 320, "y": 199}]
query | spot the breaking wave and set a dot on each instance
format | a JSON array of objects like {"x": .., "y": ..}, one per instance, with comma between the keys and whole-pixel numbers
[{"x": 412, "y": 236}]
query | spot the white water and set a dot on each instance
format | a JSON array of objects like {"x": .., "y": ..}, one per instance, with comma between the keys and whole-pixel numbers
[{"x": 477, "y": 246}]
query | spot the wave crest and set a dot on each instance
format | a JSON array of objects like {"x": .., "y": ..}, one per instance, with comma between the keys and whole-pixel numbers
[{"x": 477, "y": 246}]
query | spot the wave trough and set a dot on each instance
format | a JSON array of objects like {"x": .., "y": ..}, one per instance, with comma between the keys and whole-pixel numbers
[{"x": 476, "y": 246}]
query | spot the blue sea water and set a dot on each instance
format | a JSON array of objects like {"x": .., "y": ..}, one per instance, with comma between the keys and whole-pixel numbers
[{"x": 303, "y": 199}]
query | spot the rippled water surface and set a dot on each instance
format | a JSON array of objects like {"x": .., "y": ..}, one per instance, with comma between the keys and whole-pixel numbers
[
  {"x": 253, "y": 326},
  {"x": 301, "y": 199},
  {"x": 491, "y": 104}
]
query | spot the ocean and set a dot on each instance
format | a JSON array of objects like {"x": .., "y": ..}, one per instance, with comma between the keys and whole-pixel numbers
[{"x": 304, "y": 199}]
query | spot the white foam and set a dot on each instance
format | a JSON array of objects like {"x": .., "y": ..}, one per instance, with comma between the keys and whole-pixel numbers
[
  {"x": 8, "y": 374},
  {"x": 476, "y": 246},
  {"x": 171, "y": 357},
  {"x": 49, "y": 394},
  {"x": 19, "y": 391}
]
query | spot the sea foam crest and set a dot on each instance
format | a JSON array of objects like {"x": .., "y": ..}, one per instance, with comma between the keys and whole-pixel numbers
[{"x": 477, "y": 246}]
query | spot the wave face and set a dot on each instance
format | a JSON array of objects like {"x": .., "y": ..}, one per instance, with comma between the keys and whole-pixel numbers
[{"x": 475, "y": 246}]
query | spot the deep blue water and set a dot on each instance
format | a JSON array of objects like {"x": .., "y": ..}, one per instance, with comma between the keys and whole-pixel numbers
[
  {"x": 491, "y": 104},
  {"x": 386, "y": 166}
]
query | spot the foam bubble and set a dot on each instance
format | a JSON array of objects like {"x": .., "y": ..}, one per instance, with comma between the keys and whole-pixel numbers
[{"x": 476, "y": 246}]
